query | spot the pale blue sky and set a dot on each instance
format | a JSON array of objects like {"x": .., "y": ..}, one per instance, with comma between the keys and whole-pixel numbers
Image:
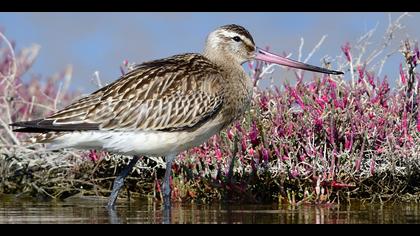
[{"x": 101, "y": 41}]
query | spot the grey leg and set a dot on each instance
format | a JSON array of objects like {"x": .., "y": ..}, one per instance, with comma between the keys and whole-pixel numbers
[
  {"x": 119, "y": 182},
  {"x": 166, "y": 186}
]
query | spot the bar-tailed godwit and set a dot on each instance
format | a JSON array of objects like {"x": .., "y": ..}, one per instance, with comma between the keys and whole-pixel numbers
[{"x": 163, "y": 107}]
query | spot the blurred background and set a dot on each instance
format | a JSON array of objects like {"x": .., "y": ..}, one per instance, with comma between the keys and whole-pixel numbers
[{"x": 102, "y": 41}]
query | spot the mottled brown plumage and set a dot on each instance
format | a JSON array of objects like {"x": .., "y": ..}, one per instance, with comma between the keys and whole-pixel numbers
[{"x": 175, "y": 93}]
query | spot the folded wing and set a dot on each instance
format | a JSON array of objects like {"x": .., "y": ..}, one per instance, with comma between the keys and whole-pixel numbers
[{"x": 170, "y": 94}]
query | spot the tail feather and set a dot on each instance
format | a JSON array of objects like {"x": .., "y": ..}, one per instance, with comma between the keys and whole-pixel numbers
[
  {"x": 46, "y": 130},
  {"x": 44, "y": 126}
]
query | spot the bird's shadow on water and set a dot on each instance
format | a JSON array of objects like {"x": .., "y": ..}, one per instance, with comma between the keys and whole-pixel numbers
[
  {"x": 115, "y": 218},
  {"x": 160, "y": 213}
]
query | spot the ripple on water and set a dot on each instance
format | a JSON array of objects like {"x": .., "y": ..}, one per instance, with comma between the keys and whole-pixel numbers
[{"x": 91, "y": 210}]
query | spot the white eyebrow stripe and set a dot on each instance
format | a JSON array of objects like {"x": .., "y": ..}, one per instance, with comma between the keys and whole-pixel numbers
[{"x": 231, "y": 34}]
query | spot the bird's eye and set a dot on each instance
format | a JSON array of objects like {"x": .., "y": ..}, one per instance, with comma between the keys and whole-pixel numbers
[{"x": 236, "y": 38}]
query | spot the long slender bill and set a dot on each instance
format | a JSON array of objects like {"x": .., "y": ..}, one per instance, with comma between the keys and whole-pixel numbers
[{"x": 273, "y": 58}]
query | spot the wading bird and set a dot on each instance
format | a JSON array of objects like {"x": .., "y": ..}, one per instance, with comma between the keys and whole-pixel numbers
[{"x": 163, "y": 107}]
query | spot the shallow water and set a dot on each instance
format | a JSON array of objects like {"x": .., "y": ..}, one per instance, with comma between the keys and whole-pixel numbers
[{"x": 92, "y": 210}]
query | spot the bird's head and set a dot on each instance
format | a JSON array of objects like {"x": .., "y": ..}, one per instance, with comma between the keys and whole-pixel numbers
[
  {"x": 235, "y": 43},
  {"x": 231, "y": 41}
]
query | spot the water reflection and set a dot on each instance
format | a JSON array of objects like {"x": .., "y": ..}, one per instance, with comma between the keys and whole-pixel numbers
[{"x": 92, "y": 210}]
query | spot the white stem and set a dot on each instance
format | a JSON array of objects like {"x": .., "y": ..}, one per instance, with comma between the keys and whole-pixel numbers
[
  {"x": 315, "y": 48},
  {"x": 97, "y": 79},
  {"x": 57, "y": 97},
  {"x": 9, "y": 132},
  {"x": 302, "y": 41}
]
